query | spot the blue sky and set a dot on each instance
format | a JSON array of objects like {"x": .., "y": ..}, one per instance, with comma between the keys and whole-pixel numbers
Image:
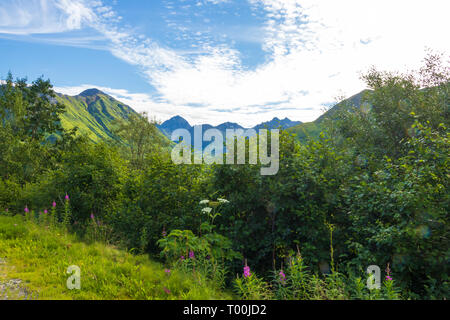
[{"x": 212, "y": 61}]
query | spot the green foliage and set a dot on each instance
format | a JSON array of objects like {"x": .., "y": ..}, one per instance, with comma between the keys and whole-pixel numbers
[
  {"x": 206, "y": 254},
  {"x": 40, "y": 257},
  {"x": 252, "y": 288},
  {"x": 140, "y": 138},
  {"x": 372, "y": 179}
]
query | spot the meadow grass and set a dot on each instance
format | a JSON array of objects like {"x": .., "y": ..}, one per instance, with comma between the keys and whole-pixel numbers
[{"x": 40, "y": 255}]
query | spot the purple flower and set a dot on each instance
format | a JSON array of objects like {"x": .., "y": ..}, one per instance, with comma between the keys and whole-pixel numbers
[
  {"x": 182, "y": 257},
  {"x": 167, "y": 271},
  {"x": 54, "y": 204},
  {"x": 92, "y": 216},
  {"x": 45, "y": 211},
  {"x": 67, "y": 197},
  {"x": 191, "y": 255},
  {"x": 282, "y": 276},
  {"x": 26, "y": 209},
  {"x": 388, "y": 278},
  {"x": 166, "y": 290},
  {"x": 247, "y": 271}
]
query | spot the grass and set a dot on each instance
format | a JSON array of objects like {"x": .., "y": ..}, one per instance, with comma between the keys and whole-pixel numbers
[{"x": 40, "y": 256}]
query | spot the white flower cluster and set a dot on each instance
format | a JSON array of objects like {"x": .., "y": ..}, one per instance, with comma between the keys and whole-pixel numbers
[{"x": 206, "y": 210}]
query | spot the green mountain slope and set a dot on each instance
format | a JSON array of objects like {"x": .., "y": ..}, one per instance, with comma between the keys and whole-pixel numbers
[
  {"x": 312, "y": 129},
  {"x": 94, "y": 113}
]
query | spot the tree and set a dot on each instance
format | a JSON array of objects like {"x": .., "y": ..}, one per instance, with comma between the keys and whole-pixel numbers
[{"x": 140, "y": 137}]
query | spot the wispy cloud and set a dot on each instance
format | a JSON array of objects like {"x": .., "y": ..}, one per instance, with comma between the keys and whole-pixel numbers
[
  {"x": 314, "y": 51},
  {"x": 43, "y": 16}
]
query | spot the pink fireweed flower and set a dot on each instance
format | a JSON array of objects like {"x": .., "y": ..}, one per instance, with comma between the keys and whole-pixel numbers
[
  {"x": 388, "y": 278},
  {"x": 67, "y": 197},
  {"x": 54, "y": 204},
  {"x": 191, "y": 255},
  {"x": 167, "y": 271},
  {"x": 45, "y": 211},
  {"x": 247, "y": 271},
  {"x": 282, "y": 277},
  {"x": 92, "y": 216},
  {"x": 26, "y": 209},
  {"x": 182, "y": 257}
]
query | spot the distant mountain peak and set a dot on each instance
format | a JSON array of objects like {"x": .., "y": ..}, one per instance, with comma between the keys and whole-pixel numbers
[
  {"x": 178, "y": 120},
  {"x": 91, "y": 92}
]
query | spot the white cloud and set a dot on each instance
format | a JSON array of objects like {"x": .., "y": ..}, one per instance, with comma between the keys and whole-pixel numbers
[
  {"x": 43, "y": 16},
  {"x": 315, "y": 50}
]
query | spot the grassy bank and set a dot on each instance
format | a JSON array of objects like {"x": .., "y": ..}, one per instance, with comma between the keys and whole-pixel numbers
[{"x": 40, "y": 256}]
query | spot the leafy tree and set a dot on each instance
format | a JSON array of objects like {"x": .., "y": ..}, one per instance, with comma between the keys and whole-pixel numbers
[{"x": 140, "y": 137}]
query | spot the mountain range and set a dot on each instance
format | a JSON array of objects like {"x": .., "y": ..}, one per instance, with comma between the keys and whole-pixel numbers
[
  {"x": 179, "y": 122},
  {"x": 95, "y": 112}
]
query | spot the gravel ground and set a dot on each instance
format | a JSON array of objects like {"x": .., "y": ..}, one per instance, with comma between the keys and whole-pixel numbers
[{"x": 13, "y": 289}]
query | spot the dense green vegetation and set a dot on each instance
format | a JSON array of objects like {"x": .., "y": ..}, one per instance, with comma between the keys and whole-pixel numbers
[
  {"x": 39, "y": 254},
  {"x": 371, "y": 189}
]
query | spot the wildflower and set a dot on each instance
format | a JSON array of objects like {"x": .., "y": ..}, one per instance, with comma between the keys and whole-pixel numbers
[
  {"x": 182, "y": 258},
  {"x": 54, "y": 204},
  {"x": 67, "y": 197},
  {"x": 167, "y": 271},
  {"x": 45, "y": 211},
  {"x": 206, "y": 210},
  {"x": 388, "y": 272},
  {"x": 191, "y": 255},
  {"x": 282, "y": 277},
  {"x": 223, "y": 200},
  {"x": 204, "y": 202},
  {"x": 166, "y": 290},
  {"x": 92, "y": 216},
  {"x": 26, "y": 209},
  {"x": 247, "y": 271}
]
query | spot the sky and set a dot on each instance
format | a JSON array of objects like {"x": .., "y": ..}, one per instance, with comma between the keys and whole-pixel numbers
[{"x": 211, "y": 61}]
